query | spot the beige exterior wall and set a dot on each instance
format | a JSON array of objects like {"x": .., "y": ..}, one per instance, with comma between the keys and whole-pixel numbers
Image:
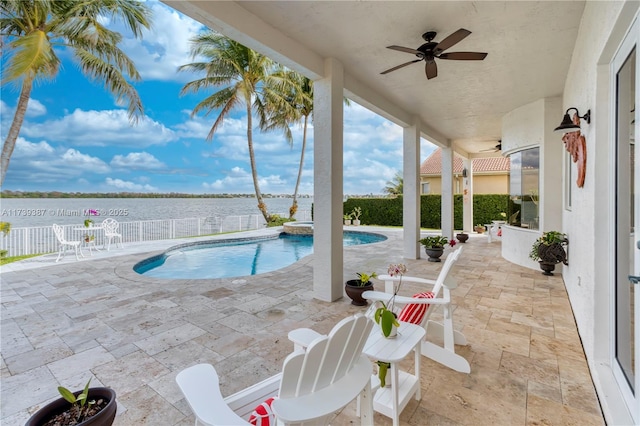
[{"x": 482, "y": 184}]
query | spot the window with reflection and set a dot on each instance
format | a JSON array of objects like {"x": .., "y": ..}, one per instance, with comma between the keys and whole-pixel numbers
[{"x": 524, "y": 189}]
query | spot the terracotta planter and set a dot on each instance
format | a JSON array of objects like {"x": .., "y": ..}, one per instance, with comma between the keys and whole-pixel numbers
[
  {"x": 354, "y": 291},
  {"x": 479, "y": 229},
  {"x": 103, "y": 418},
  {"x": 434, "y": 253}
]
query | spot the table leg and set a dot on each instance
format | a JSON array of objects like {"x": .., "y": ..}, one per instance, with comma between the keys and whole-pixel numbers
[
  {"x": 418, "y": 355},
  {"x": 394, "y": 393}
]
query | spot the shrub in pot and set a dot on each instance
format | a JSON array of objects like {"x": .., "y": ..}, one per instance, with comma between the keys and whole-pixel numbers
[{"x": 549, "y": 250}]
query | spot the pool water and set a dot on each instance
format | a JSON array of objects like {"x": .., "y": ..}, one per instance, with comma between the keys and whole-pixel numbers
[{"x": 236, "y": 258}]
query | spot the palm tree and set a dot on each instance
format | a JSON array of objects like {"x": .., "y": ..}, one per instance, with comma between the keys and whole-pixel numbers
[
  {"x": 242, "y": 73},
  {"x": 394, "y": 186},
  {"x": 32, "y": 30},
  {"x": 288, "y": 100}
]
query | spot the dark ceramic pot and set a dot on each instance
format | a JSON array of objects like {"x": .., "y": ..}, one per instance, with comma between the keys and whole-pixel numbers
[
  {"x": 547, "y": 267},
  {"x": 103, "y": 418},
  {"x": 434, "y": 253},
  {"x": 354, "y": 291},
  {"x": 462, "y": 237}
]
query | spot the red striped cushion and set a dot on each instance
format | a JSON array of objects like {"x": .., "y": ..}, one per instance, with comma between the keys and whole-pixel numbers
[
  {"x": 413, "y": 312},
  {"x": 263, "y": 415}
]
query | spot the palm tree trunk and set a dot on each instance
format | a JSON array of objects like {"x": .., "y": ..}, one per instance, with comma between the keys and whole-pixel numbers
[
  {"x": 294, "y": 205},
  {"x": 14, "y": 130},
  {"x": 252, "y": 158}
]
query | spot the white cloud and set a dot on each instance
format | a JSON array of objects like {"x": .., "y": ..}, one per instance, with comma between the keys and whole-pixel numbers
[
  {"x": 129, "y": 186},
  {"x": 40, "y": 162},
  {"x": 137, "y": 161},
  {"x": 101, "y": 128},
  {"x": 35, "y": 108},
  {"x": 165, "y": 47}
]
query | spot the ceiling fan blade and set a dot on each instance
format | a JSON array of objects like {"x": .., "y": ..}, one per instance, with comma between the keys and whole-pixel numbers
[
  {"x": 464, "y": 56},
  {"x": 452, "y": 39},
  {"x": 431, "y": 69},
  {"x": 400, "y": 66},
  {"x": 405, "y": 49}
]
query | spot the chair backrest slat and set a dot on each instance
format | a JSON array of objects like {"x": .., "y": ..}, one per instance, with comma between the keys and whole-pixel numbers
[{"x": 327, "y": 359}]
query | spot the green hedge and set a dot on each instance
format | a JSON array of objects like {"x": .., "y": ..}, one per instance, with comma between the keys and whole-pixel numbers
[{"x": 388, "y": 211}]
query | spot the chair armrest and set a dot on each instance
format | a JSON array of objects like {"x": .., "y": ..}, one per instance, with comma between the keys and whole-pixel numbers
[
  {"x": 417, "y": 280},
  {"x": 402, "y": 300},
  {"x": 302, "y": 337},
  {"x": 201, "y": 387}
]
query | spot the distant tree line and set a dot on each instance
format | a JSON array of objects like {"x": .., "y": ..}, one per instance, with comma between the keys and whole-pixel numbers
[{"x": 57, "y": 194}]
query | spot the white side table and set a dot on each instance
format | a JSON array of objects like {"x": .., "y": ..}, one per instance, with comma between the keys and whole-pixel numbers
[
  {"x": 391, "y": 401},
  {"x": 91, "y": 231}
]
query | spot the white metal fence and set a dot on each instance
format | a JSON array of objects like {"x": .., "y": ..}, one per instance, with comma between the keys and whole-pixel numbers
[{"x": 41, "y": 239}]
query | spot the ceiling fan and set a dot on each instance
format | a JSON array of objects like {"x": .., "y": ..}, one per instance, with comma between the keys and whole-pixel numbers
[
  {"x": 496, "y": 148},
  {"x": 431, "y": 50}
]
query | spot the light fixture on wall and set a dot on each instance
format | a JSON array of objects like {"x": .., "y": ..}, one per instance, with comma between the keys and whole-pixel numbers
[
  {"x": 568, "y": 124},
  {"x": 464, "y": 172}
]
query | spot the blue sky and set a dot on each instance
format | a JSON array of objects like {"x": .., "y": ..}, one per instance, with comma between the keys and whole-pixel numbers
[{"x": 76, "y": 138}]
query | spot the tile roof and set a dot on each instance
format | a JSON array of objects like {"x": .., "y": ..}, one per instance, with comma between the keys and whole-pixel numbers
[{"x": 433, "y": 164}]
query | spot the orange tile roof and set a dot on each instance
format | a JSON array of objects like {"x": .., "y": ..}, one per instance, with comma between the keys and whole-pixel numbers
[{"x": 433, "y": 164}]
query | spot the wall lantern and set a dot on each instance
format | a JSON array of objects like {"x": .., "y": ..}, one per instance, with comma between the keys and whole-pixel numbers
[
  {"x": 574, "y": 141},
  {"x": 464, "y": 172},
  {"x": 569, "y": 125}
]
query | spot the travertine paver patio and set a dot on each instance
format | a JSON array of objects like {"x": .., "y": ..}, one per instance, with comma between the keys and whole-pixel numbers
[{"x": 64, "y": 323}]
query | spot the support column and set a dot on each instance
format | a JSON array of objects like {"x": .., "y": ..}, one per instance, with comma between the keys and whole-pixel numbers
[
  {"x": 446, "y": 212},
  {"x": 327, "y": 183},
  {"x": 411, "y": 190},
  {"x": 467, "y": 195}
]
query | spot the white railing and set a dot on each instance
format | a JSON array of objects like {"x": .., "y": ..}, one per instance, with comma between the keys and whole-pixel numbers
[{"x": 41, "y": 239}]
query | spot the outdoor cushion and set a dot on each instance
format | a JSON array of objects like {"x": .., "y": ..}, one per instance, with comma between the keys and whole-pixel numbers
[
  {"x": 414, "y": 312},
  {"x": 263, "y": 415}
]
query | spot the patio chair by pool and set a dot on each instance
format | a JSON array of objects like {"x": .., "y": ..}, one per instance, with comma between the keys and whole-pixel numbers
[
  {"x": 110, "y": 227},
  {"x": 313, "y": 385},
  {"x": 418, "y": 309},
  {"x": 64, "y": 244}
]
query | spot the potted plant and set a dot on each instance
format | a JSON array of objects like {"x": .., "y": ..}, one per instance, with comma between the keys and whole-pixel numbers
[
  {"x": 88, "y": 223},
  {"x": 462, "y": 237},
  {"x": 479, "y": 228},
  {"x": 347, "y": 219},
  {"x": 355, "y": 214},
  {"x": 549, "y": 250},
  {"x": 90, "y": 406},
  {"x": 355, "y": 288},
  {"x": 434, "y": 246},
  {"x": 88, "y": 238},
  {"x": 384, "y": 315}
]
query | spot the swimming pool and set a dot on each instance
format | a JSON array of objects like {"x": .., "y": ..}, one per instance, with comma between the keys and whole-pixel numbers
[{"x": 238, "y": 257}]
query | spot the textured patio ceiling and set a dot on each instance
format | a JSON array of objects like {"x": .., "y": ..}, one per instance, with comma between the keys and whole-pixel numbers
[{"x": 529, "y": 47}]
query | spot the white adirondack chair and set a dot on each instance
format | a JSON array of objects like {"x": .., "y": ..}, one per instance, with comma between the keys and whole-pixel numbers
[
  {"x": 313, "y": 385},
  {"x": 110, "y": 227},
  {"x": 445, "y": 354},
  {"x": 63, "y": 243}
]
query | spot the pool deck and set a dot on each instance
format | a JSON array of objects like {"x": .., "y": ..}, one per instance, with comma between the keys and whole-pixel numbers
[{"x": 96, "y": 318}]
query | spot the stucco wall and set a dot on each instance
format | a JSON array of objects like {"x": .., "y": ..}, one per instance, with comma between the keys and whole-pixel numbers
[
  {"x": 593, "y": 200},
  {"x": 482, "y": 184},
  {"x": 589, "y": 222}
]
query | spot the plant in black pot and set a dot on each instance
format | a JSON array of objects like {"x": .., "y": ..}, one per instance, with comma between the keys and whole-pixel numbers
[
  {"x": 90, "y": 406},
  {"x": 549, "y": 250},
  {"x": 355, "y": 288},
  {"x": 434, "y": 246}
]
